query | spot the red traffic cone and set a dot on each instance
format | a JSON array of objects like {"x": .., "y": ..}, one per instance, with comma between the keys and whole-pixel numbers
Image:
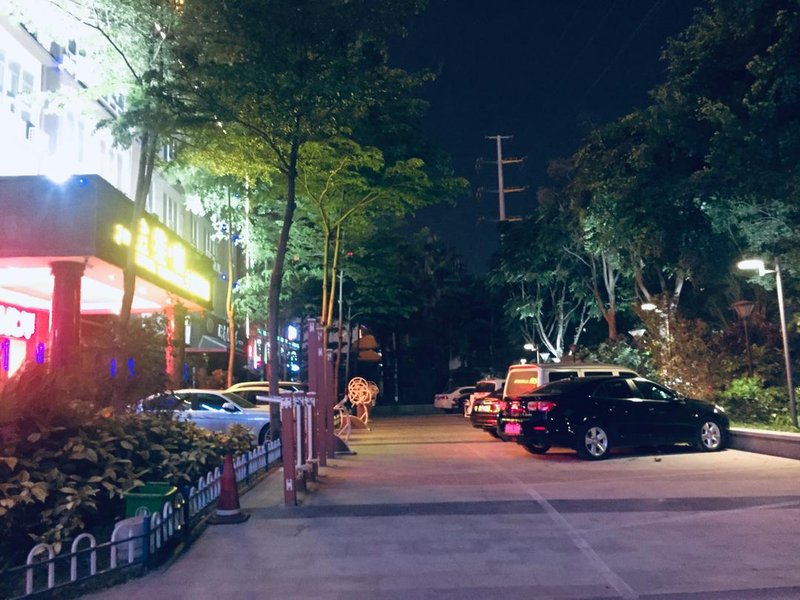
[{"x": 228, "y": 501}]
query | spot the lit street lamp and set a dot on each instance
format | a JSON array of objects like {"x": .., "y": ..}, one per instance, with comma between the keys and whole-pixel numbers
[
  {"x": 758, "y": 265},
  {"x": 532, "y": 348}
]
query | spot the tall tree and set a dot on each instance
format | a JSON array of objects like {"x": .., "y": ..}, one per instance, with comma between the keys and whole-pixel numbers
[
  {"x": 290, "y": 73},
  {"x": 540, "y": 269},
  {"x": 138, "y": 65},
  {"x": 733, "y": 78}
]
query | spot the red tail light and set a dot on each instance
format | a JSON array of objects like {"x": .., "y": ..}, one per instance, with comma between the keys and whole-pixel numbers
[
  {"x": 541, "y": 405},
  {"x": 515, "y": 408}
]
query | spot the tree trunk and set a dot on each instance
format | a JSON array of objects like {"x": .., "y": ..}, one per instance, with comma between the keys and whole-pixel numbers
[
  {"x": 229, "y": 311},
  {"x": 273, "y": 302},
  {"x": 144, "y": 177}
]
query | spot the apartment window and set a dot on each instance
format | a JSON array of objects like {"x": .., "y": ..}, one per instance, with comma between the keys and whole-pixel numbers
[
  {"x": 13, "y": 82},
  {"x": 170, "y": 212},
  {"x": 27, "y": 92}
]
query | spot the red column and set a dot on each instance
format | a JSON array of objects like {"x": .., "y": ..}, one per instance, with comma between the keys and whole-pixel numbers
[
  {"x": 66, "y": 311},
  {"x": 316, "y": 359},
  {"x": 176, "y": 343}
]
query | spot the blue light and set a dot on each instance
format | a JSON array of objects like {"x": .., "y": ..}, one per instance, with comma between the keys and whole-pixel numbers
[
  {"x": 5, "y": 348},
  {"x": 40, "y": 353},
  {"x": 113, "y": 367},
  {"x": 223, "y": 276},
  {"x": 131, "y": 363}
]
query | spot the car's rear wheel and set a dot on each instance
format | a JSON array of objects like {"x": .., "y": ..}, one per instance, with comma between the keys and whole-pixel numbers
[
  {"x": 593, "y": 442},
  {"x": 265, "y": 435},
  {"x": 534, "y": 448},
  {"x": 710, "y": 436}
]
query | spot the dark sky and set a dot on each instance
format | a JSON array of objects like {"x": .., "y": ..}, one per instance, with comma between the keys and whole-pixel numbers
[{"x": 540, "y": 70}]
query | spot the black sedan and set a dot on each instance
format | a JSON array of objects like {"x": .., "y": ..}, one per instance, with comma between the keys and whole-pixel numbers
[
  {"x": 484, "y": 412},
  {"x": 595, "y": 414}
]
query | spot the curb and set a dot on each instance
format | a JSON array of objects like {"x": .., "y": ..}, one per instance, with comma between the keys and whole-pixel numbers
[{"x": 773, "y": 443}]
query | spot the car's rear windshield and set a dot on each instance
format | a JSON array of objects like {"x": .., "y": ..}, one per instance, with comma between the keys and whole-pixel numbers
[
  {"x": 485, "y": 386},
  {"x": 522, "y": 381},
  {"x": 561, "y": 386}
]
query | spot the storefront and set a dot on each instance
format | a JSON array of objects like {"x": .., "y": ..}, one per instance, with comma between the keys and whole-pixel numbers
[{"x": 62, "y": 251}]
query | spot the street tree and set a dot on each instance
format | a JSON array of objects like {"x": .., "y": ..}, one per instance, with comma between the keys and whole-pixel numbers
[
  {"x": 538, "y": 267},
  {"x": 133, "y": 42},
  {"x": 733, "y": 80},
  {"x": 288, "y": 74}
]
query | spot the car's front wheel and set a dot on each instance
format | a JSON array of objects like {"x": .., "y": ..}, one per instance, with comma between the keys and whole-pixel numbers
[
  {"x": 593, "y": 442},
  {"x": 710, "y": 436}
]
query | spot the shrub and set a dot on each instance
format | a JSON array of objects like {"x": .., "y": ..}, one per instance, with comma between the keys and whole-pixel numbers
[
  {"x": 748, "y": 400},
  {"x": 56, "y": 480}
]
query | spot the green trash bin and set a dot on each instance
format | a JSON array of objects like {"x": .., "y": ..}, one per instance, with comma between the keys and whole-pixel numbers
[{"x": 149, "y": 499}]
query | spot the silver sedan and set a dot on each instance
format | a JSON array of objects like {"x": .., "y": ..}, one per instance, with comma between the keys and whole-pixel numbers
[{"x": 212, "y": 409}]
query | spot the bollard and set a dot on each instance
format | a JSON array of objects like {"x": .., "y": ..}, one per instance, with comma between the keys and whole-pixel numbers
[{"x": 288, "y": 448}]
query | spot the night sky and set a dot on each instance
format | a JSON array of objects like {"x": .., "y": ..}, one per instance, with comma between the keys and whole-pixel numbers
[{"x": 540, "y": 70}]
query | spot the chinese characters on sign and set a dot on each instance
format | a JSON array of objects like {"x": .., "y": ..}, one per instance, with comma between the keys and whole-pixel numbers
[
  {"x": 17, "y": 323},
  {"x": 164, "y": 255}
]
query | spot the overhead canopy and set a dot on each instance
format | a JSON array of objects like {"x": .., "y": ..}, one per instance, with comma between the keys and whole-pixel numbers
[{"x": 209, "y": 343}]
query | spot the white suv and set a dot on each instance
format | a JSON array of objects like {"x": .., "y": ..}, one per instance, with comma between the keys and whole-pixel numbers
[{"x": 453, "y": 399}]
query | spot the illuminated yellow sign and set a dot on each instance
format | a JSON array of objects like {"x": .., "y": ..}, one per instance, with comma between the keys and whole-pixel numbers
[{"x": 164, "y": 256}]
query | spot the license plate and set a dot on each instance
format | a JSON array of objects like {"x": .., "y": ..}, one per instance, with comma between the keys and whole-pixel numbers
[
  {"x": 513, "y": 429},
  {"x": 483, "y": 408}
]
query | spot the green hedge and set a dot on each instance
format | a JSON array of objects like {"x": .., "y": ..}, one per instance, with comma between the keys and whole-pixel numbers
[
  {"x": 747, "y": 401},
  {"x": 57, "y": 481}
]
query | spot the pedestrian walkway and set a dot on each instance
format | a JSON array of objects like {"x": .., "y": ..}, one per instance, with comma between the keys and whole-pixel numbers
[{"x": 429, "y": 507}]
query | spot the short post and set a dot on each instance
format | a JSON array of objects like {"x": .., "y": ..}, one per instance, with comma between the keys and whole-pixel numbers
[
  {"x": 287, "y": 451},
  {"x": 300, "y": 479},
  {"x": 311, "y": 458}
]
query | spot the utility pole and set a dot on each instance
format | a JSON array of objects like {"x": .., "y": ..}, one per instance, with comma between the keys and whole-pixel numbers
[{"x": 502, "y": 190}]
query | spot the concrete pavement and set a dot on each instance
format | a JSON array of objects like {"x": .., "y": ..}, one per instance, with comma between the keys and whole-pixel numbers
[{"x": 431, "y": 508}]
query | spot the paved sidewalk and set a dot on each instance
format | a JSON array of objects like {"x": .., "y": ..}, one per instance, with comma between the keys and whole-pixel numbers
[{"x": 431, "y": 508}]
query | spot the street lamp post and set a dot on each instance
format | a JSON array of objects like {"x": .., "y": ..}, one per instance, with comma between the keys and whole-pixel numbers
[
  {"x": 744, "y": 308},
  {"x": 758, "y": 265}
]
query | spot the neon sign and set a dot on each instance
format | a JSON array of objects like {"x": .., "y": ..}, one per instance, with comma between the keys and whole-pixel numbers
[
  {"x": 17, "y": 323},
  {"x": 164, "y": 256}
]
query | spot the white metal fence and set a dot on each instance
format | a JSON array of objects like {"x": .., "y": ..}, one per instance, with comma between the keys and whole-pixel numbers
[{"x": 137, "y": 540}]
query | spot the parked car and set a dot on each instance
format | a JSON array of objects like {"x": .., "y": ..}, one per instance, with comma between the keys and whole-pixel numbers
[
  {"x": 212, "y": 409},
  {"x": 522, "y": 379},
  {"x": 453, "y": 400},
  {"x": 595, "y": 414},
  {"x": 283, "y": 386},
  {"x": 257, "y": 391},
  {"x": 482, "y": 388},
  {"x": 485, "y": 410}
]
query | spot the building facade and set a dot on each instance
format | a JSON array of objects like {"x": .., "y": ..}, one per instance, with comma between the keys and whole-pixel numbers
[{"x": 65, "y": 219}]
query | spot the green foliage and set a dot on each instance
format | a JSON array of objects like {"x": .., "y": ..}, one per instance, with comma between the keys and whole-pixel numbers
[
  {"x": 619, "y": 352},
  {"x": 65, "y": 464},
  {"x": 747, "y": 400},
  {"x": 138, "y": 351}
]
